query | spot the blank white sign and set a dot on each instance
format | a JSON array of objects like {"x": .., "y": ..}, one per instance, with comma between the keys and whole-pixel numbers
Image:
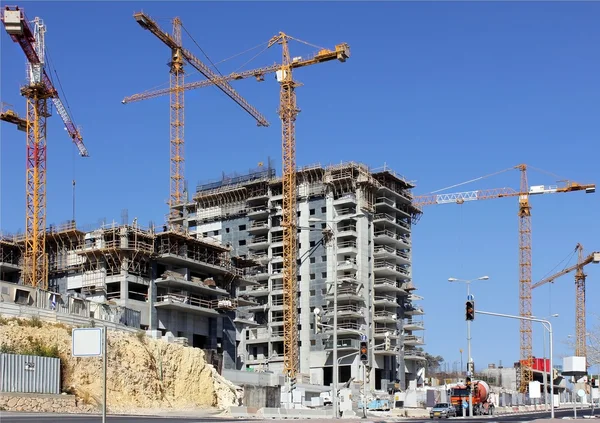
[{"x": 87, "y": 342}]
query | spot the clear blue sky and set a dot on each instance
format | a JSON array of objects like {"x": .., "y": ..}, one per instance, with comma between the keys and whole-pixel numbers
[{"x": 442, "y": 92}]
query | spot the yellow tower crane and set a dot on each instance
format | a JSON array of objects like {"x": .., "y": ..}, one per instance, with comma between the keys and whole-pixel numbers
[
  {"x": 524, "y": 213},
  {"x": 580, "y": 316},
  {"x": 179, "y": 56},
  {"x": 288, "y": 110}
]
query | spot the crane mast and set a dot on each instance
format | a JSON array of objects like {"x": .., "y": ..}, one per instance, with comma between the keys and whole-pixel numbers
[
  {"x": 526, "y": 356},
  {"x": 177, "y": 157},
  {"x": 37, "y": 93},
  {"x": 288, "y": 110}
]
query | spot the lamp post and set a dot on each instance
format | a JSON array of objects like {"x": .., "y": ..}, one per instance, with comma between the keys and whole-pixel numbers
[
  {"x": 545, "y": 372},
  {"x": 469, "y": 358},
  {"x": 332, "y": 241},
  {"x": 549, "y": 328}
]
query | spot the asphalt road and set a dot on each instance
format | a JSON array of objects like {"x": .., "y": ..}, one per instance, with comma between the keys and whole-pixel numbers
[
  {"x": 525, "y": 417},
  {"x": 6, "y": 417}
]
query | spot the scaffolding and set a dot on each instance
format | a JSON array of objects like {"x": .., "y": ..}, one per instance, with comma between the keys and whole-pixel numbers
[{"x": 112, "y": 250}]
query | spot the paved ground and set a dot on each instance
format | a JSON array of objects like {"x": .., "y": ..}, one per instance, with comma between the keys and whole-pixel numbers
[{"x": 6, "y": 417}]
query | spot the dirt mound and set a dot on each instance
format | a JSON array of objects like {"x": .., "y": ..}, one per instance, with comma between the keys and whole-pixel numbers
[{"x": 142, "y": 372}]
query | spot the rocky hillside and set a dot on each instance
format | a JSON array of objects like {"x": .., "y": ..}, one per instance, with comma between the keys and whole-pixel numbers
[{"x": 142, "y": 372}]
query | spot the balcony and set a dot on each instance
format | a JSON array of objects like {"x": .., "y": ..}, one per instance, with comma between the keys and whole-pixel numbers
[
  {"x": 344, "y": 310},
  {"x": 277, "y": 257},
  {"x": 346, "y": 231},
  {"x": 389, "y": 220},
  {"x": 389, "y": 269},
  {"x": 390, "y": 204},
  {"x": 259, "y": 227},
  {"x": 246, "y": 300},
  {"x": 171, "y": 280},
  {"x": 345, "y": 211},
  {"x": 410, "y": 324},
  {"x": 347, "y": 247},
  {"x": 387, "y": 284},
  {"x": 276, "y": 333},
  {"x": 276, "y": 286},
  {"x": 246, "y": 319},
  {"x": 345, "y": 327},
  {"x": 385, "y": 300},
  {"x": 258, "y": 242},
  {"x": 346, "y": 199},
  {"x": 413, "y": 340},
  {"x": 345, "y": 292},
  {"x": 384, "y": 316},
  {"x": 276, "y": 240},
  {"x": 380, "y": 350},
  {"x": 414, "y": 355},
  {"x": 259, "y": 212},
  {"x": 343, "y": 345},
  {"x": 414, "y": 311},
  {"x": 180, "y": 302},
  {"x": 277, "y": 302},
  {"x": 379, "y": 332},
  {"x": 257, "y": 290},
  {"x": 348, "y": 265}
]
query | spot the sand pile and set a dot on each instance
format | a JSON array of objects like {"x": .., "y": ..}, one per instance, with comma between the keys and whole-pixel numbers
[{"x": 142, "y": 372}]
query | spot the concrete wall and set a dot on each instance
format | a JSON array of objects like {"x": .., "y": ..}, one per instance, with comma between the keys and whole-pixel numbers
[{"x": 261, "y": 396}]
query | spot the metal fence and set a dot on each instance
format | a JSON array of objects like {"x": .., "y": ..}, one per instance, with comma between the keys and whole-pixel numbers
[{"x": 29, "y": 374}]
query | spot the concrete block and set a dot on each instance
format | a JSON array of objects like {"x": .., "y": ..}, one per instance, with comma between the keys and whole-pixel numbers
[{"x": 238, "y": 411}]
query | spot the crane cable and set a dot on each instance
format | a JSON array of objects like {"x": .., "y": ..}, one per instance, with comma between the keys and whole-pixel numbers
[
  {"x": 568, "y": 259},
  {"x": 472, "y": 180}
]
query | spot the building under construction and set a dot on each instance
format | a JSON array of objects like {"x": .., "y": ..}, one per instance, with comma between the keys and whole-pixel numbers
[
  {"x": 173, "y": 281},
  {"x": 370, "y": 214}
]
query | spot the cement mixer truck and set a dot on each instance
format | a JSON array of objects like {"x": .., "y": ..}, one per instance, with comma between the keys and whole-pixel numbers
[{"x": 483, "y": 399}]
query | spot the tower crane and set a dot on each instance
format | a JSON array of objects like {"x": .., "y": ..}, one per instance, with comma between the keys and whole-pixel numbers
[
  {"x": 580, "y": 330},
  {"x": 179, "y": 56},
  {"x": 524, "y": 213},
  {"x": 288, "y": 110},
  {"x": 39, "y": 89}
]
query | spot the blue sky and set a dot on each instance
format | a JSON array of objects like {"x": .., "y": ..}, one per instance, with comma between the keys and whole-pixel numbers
[{"x": 442, "y": 92}]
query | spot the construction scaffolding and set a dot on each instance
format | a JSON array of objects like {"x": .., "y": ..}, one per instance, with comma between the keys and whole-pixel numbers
[
  {"x": 112, "y": 250},
  {"x": 351, "y": 179}
]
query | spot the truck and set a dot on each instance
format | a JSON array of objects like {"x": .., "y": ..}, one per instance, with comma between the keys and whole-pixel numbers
[{"x": 482, "y": 398}]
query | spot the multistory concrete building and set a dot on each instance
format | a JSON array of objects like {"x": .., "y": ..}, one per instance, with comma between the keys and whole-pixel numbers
[
  {"x": 162, "y": 279},
  {"x": 370, "y": 214}
]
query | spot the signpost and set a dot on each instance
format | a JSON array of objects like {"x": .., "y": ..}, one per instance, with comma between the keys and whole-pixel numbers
[{"x": 91, "y": 342}]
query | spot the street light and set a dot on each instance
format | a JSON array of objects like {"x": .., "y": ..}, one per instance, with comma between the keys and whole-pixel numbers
[
  {"x": 333, "y": 242},
  {"x": 551, "y": 366},
  {"x": 549, "y": 328},
  {"x": 469, "y": 359}
]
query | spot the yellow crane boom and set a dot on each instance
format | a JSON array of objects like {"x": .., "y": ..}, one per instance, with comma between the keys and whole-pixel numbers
[
  {"x": 580, "y": 315},
  {"x": 179, "y": 56}
]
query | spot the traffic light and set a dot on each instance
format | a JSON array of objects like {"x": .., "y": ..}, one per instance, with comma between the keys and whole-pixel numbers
[
  {"x": 470, "y": 310},
  {"x": 468, "y": 382},
  {"x": 292, "y": 383},
  {"x": 364, "y": 352},
  {"x": 471, "y": 368},
  {"x": 317, "y": 323},
  {"x": 388, "y": 343}
]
